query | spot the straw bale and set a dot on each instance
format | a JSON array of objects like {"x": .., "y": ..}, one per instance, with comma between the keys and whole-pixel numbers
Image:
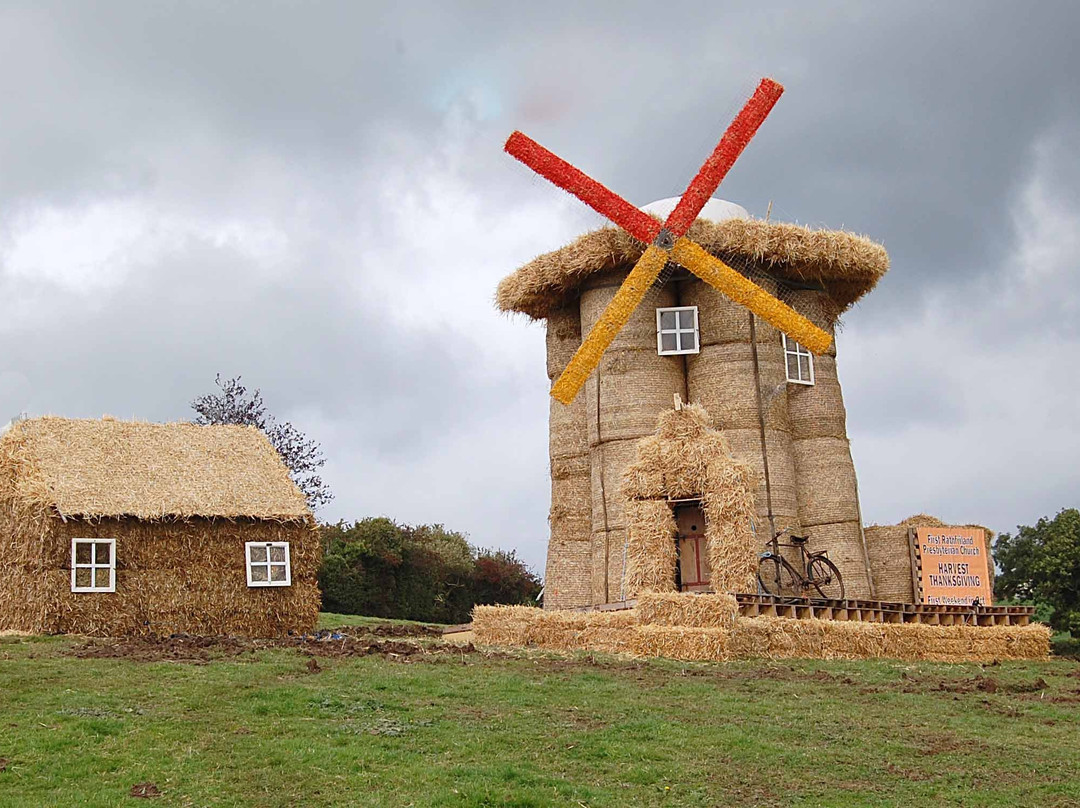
[
  {"x": 554, "y": 629},
  {"x": 635, "y": 386},
  {"x": 721, "y": 320},
  {"x": 608, "y": 582},
  {"x": 651, "y": 554},
  {"x": 571, "y": 497},
  {"x": 609, "y": 462},
  {"x": 729, "y": 527},
  {"x": 749, "y": 638},
  {"x": 569, "y": 564},
  {"x": 622, "y": 307},
  {"x": 698, "y": 610},
  {"x": 640, "y": 329},
  {"x": 563, "y": 338},
  {"x": 848, "y": 266},
  {"x": 817, "y": 410},
  {"x": 890, "y": 562},
  {"x": 568, "y": 429},
  {"x": 681, "y": 642},
  {"x": 721, "y": 379},
  {"x": 746, "y": 445},
  {"x": 150, "y": 471},
  {"x": 844, "y": 543},
  {"x": 826, "y": 487},
  {"x": 22, "y": 599}
]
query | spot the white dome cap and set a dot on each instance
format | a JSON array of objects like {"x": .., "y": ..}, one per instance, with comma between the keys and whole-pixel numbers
[{"x": 715, "y": 210}]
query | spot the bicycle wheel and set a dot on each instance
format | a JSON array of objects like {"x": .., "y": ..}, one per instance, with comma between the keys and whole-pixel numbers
[
  {"x": 777, "y": 577},
  {"x": 823, "y": 576}
]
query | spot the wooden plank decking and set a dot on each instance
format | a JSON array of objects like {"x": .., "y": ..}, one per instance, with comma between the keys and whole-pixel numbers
[{"x": 870, "y": 611}]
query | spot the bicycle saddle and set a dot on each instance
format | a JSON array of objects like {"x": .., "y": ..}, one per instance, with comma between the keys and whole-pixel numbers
[{"x": 799, "y": 539}]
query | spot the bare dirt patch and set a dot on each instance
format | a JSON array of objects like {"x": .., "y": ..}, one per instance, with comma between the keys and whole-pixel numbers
[{"x": 366, "y": 641}]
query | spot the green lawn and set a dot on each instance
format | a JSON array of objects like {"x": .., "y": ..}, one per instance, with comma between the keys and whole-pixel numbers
[{"x": 276, "y": 726}]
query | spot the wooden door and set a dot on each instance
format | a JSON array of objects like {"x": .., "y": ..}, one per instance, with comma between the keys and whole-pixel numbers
[{"x": 693, "y": 555}]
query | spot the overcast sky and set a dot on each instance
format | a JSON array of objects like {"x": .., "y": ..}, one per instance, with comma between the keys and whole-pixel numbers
[{"x": 314, "y": 196}]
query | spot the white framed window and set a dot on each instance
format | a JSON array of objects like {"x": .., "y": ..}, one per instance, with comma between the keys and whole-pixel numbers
[
  {"x": 799, "y": 362},
  {"x": 93, "y": 565},
  {"x": 677, "y": 331},
  {"x": 268, "y": 563}
]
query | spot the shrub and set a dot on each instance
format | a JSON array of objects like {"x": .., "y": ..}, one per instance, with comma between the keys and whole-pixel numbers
[{"x": 379, "y": 568}]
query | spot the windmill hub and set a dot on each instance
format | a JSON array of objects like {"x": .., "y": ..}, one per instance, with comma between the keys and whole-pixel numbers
[{"x": 665, "y": 239}]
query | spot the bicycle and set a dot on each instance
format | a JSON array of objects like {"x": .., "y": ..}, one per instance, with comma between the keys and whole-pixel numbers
[{"x": 778, "y": 577}]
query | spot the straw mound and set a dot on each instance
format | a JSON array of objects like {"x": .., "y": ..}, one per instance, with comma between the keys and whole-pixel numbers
[
  {"x": 847, "y": 265},
  {"x": 687, "y": 458},
  {"x": 758, "y": 637},
  {"x": 150, "y": 471},
  {"x": 705, "y": 610}
]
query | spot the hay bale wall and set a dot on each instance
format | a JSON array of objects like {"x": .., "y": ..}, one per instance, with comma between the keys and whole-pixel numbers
[
  {"x": 651, "y": 631},
  {"x": 568, "y": 578},
  {"x": 183, "y": 577}
]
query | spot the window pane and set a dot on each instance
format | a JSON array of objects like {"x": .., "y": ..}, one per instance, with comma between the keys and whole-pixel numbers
[
  {"x": 102, "y": 552},
  {"x": 792, "y": 367},
  {"x": 258, "y": 572},
  {"x": 668, "y": 342},
  {"x": 83, "y": 576},
  {"x": 101, "y": 577},
  {"x": 84, "y": 553},
  {"x": 258, "y": 553},
  {"x": 804, "y": 368},
  {"x": 686, "y": 319},
  {"x": 667, "y": 320},
  {"x": 689, "y": 341},
  {"x": 277, "y": 554},
  {"x": 277, "y": 572}
]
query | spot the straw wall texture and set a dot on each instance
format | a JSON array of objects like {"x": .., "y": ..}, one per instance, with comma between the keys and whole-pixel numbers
[
  {"x": 568, "y": 577},
  {"x": 890, "y": 562},
  {"x": 747, "y": 638},
  {"x": 635, "y": 384},
  {"x": 184, "y": 577},
  {"x": 721, "y": 379},
  {"x": 686, "y": 458}
]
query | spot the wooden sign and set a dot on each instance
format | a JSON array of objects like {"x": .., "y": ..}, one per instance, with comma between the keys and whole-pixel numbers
[{"x": 954, "y": 568}]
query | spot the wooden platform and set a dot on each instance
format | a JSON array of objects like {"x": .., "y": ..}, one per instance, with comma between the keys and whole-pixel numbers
[{"x": 867, "y": 611}]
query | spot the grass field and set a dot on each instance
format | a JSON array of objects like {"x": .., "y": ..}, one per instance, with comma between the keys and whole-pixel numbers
[{"x": 379, "y": 720}]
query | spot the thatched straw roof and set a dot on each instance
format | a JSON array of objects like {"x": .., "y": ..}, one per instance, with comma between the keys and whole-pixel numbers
[
  {"x": 110, "y": 468},
  {"x": 846, "y": 265}
]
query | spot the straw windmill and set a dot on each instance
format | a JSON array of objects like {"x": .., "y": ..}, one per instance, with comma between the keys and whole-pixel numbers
[{"x": 664, "y": 311}]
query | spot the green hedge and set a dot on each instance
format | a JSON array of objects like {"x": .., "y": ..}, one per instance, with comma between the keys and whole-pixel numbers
[{"x": 379, "y": 568}]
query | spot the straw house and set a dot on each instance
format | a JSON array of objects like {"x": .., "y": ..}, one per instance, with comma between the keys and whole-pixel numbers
[
  {"x": 780, "y": 409},
  {"x": 113, "y": 528}
]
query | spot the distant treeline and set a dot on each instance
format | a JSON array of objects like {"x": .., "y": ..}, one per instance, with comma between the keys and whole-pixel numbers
[{"x": 380, "y": 568}]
